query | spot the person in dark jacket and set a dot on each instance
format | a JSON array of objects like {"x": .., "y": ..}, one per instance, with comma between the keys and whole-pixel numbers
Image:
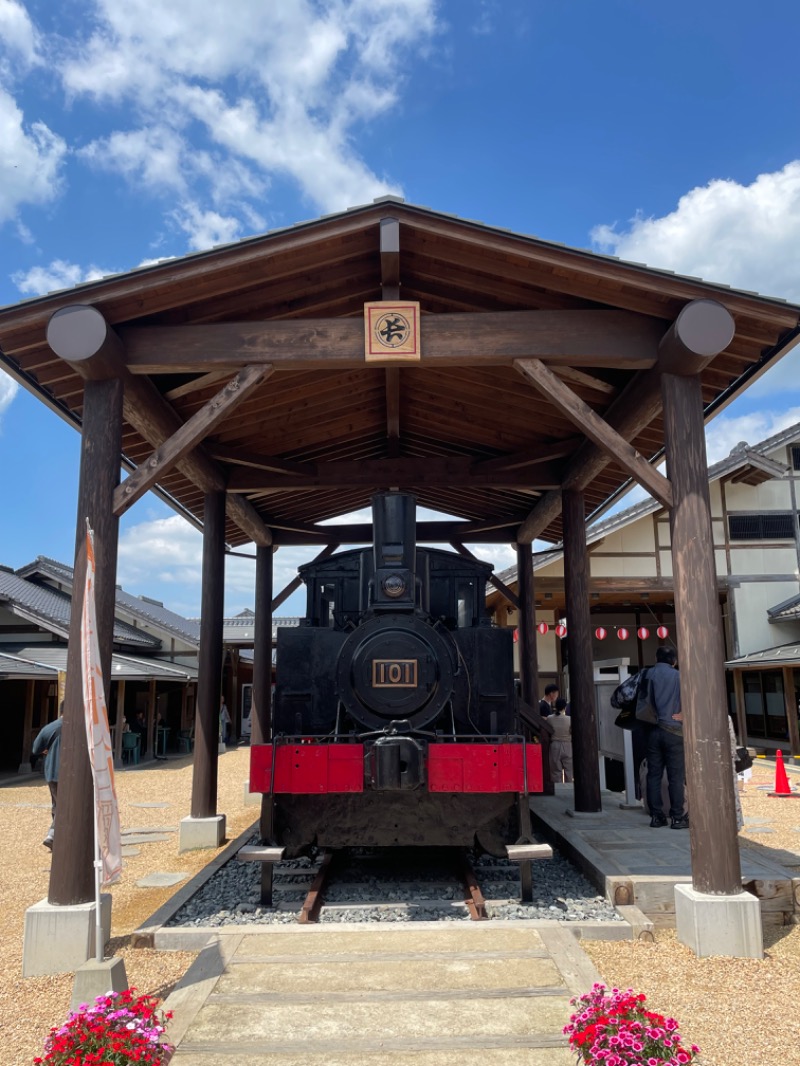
[
  {"x": 547, "y": 706},
  {"x": 665, "y": 742},
  {"x": 48, "y": 743}
]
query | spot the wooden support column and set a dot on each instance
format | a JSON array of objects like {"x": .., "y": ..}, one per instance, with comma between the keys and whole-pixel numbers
[
  {"x": 151, "y": 741},
  {"x": 72, "y": 873},
  {"x": 741, "y": 716},
  {"x": 260, "y": 713},
  {"x": 790, "y": 700},
  {"x": 27, "y": 729},
  {"x": 715, "y": 853},
  {"x": 120, "y": 722},
  {"x": 528, "y": 660},
  {"x": 581, "y": 665},
  {"x": 209, "y": 679}
]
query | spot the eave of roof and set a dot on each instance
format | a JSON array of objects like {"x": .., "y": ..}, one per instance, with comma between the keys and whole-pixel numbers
[
  {"x": 782, "y": 655},
  {"x": 450, "y": 264}
]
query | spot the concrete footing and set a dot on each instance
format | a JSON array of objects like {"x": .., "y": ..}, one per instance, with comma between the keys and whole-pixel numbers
[
  {"x": 251, "y": 799},
  {"x": 95, "y": 978},
  {"x": 719, "y": 925},
  {"x": 201, "y": 833},
  {"x": 60, "y": 939}
]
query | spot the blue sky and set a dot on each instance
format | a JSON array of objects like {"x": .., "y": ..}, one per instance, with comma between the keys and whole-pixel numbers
[{"x": 662, "y": 133}]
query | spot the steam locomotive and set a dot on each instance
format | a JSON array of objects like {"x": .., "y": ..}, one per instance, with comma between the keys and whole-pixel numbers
[{"x": 394, "y": 720}]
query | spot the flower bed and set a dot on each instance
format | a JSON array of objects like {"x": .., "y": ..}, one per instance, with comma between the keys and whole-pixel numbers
[
  {"x": 614, "y": 1028},
  {"x": 120, "y": 1028}
]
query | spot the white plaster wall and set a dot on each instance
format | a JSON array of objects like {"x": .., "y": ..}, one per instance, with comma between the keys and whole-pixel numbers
[
  {"x": 715, "y": 495},
  {"x": 751, "y": 602},
  {"x": 771, "y": 496},
  {"x": 622, "y": 566},
  {"x": 637, "y": 537},
  {"x": 755, "y": 560}
]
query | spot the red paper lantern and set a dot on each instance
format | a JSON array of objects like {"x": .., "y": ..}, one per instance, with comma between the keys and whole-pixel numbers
[
  {"x": 543, "y": 628},
  {"x": 516, "y": 636},
  {"x": 561, "y": 630},
  {"x": 662, "y": 632},
  {"x": 622, "y": 633},
  {"x": 600, "y": 633},
  {"x": 642, "y": 633}
]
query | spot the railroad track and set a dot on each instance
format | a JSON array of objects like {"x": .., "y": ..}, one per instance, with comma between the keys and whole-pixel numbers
[{"x": 413, "y": 881}]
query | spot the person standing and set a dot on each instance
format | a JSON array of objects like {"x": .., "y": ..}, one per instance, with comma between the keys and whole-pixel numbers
[
  {"x": 48, "y": 743},
  {"x": 665, "y": 742},
  {"x": 547, "y": 705},
  {"x": 224, "y": 723},
  {"x": 561, "y": 744}
]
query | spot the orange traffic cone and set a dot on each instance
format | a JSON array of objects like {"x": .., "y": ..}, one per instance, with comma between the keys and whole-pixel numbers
[{"x": 782, "y": 787}]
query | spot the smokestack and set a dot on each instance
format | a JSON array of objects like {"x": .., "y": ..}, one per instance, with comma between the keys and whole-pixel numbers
[{"x": 394, "y": 525}]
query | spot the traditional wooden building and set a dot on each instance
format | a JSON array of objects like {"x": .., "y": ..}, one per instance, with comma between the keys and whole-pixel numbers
[
  {"x": 754, "y": 496},
  {"x": 513, "y": 383}
]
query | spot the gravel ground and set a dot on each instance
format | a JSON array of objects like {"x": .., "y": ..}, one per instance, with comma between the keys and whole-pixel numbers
[{"x": 734, "y": 1009}]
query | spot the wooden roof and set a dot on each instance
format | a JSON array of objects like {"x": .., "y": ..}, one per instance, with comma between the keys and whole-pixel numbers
[{"x": 456, "y": 411}]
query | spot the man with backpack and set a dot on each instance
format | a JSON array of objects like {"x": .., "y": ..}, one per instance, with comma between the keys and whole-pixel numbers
[{"x": 665, "y": 742}]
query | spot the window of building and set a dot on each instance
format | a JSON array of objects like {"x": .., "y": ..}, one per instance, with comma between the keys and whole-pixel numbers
[
  {"x": 796, "y": 456},
  {"x": 776, "y": 526}
]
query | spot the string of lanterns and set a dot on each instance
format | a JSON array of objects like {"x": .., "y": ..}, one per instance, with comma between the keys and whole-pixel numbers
[{"x": 643, "y": 633}]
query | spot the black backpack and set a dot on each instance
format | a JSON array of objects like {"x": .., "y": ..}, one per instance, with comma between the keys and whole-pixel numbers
[{"x": 624, "y": 696}]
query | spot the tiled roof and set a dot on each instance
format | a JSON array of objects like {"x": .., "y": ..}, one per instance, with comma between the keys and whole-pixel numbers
[
  {"x": 53, "y": 657},
  {"x": 787, "y": 611},
  {"x": 139, "y": 606},
  {"x": 14, "y": 668},
  {"x": 51, "y": 609},
  {"x": 782, "y": 655}
]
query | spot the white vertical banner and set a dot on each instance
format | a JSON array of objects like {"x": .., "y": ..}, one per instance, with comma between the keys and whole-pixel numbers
[{"x": 98, "y": 737}]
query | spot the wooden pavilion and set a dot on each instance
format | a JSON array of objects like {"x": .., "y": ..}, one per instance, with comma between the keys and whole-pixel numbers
[{"x": 515, "y": 384}]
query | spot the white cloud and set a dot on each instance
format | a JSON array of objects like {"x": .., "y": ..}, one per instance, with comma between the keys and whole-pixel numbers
[
  {"x": 204, "y": 229},
  {"x": 58, "y": 275},
  {"x": 281, "y": 87},
  {"x": 30, "y": 162},
  {"x": 724, "y": 433},
  {"x": 747, "y": 236},
  {"x": 18, "y": 36},
  {"x": 8, "y": 390}
]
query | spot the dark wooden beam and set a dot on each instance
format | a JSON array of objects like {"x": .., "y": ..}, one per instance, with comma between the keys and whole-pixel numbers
[
  {"x": 361, "y": 533},
  {"x": 543, "y": 454},
  {"x": 632, "y": 411},
  {"x": 392, "y": 411},
  {"x": 195, "y": 385},
  {"x": 618, "y": 339},
  {"x": 260, "y": 462},
  {"x": 595, "y": 428},
  {"x": 384, "y": 473},
  {"x": 196, "y": 429},
  {"x": 702, "y": 330},
  {"x": 493, "y": 580},
  {"x": 588, "y": 381},
  {"x": 80, "y": 335},
  {"x": 390, "y": 258}
]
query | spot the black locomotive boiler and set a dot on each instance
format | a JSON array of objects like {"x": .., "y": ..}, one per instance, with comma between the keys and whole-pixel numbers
[{"x": 394, "y": 719}]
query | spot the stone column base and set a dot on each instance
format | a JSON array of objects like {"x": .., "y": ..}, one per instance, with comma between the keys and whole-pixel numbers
[
  {"x": 201, "y": 833},
  {"x": 251, "y": 799},
  {"x": 95, "y": 978},
  {"x": 60, "y": 939},
  {"x": 719, "y": 925}
]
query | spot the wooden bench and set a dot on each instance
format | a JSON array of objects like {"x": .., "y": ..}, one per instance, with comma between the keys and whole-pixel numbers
[
  {"x": 267, "y": 857},
  {"x": 525, "y": 854}
]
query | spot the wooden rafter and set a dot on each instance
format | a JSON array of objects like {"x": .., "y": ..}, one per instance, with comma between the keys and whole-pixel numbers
[
  {"x": 171, "y": 451},
  {"x": 297, "y": 581},
  {"x": 596, "y": 429},
  {"x": 195, "y": 385}
]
